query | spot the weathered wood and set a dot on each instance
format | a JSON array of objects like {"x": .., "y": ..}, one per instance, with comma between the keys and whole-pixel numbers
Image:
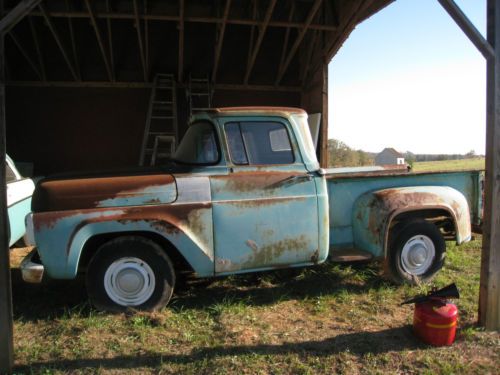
[
  {"x": 468, "y": 28},
  {"x": 100, "y": 42},
  {"x": 180, "y": 63},
  {"x": 58, "y": 40},
  {"x": 287, "y": 36},
  {"x": 73, "y": 44},
  {"x": 310, "y": 50},
  {"x": 38, "y": 49},
  {"x": 137, "y": 20},
  {"x": 6, "y": 331},
  {"x": 220, "y": 40},
  {"x": 23, "y": 51},
  {"x": 298, "y": 41},
  {"x": 489, "y": 296},
  {"x": 141, "y": 85},
  {"x": 262, "y": 31},
  {"x": 193, "y": 19},
  {"x": 110, "y": 43},
  {"x": 324, "y": 118},
  {"x": 16, "y": 14}
]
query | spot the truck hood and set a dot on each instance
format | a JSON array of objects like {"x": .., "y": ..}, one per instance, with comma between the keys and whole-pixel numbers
[{"x": 103, "y": 191}]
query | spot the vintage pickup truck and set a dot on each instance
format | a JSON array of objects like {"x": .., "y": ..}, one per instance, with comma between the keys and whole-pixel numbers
[{"x": 243, "y": 193}]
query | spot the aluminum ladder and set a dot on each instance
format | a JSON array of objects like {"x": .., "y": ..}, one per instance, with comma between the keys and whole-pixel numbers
[{"x": 161, "y": 130}]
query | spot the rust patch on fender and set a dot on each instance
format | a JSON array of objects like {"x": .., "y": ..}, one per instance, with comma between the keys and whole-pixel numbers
[{"x": 82, "y": 193}]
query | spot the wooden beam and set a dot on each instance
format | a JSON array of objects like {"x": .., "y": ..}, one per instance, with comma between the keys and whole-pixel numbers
[
  {"x": 100, "y": 42},
  {"x": 324, "y": 118},
  {"x": 146, "y": 36},
  {"x": 58, "y": 40},
  {"x": 251, "y": 42},
  {"x": 489, "y": 292},
  {"x": 298, "y": 41},
  {"x": 38, "y": 50},
  {"x": 73, "y": 43},
  {"x": 140, "y": 41},
  {"x": 287, "y": 36},
  {"x": 110, "y": 43},
  {"x": 180, "y": 60},
  {"x": 262, "y": 31},
  {"x": 6, "y": 331},
  {"x": 16, "y": 14},
  {"x": 25, "y": 54},
  {"x": 142, "y": 85},
  {"x": 191, "y": 19},
  {"x": 220, "y": 40},
  {"x": 468, "y": 28},
  {"x": 309, "y": 54}
]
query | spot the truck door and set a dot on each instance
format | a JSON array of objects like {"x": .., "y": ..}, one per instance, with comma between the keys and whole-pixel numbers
[{"x": 265, "y": 211}]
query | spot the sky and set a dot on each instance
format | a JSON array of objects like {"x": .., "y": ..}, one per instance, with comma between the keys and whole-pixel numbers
[{"x": 410, "y": 79}]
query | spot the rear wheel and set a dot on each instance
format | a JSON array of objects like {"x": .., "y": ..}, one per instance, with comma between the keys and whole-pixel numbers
[
  {"x": 416, "y": 252},
  {"x": 130, "y": 272}
]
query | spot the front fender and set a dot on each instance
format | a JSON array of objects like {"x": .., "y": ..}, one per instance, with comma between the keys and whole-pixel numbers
[
  {"x": 61, "y": 236},
  {"x": 374, "y": 212}
]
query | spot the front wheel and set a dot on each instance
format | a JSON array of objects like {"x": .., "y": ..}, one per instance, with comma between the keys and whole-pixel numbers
[
  {"x": 130, "y": 272},
  {"x": 416, "y": 252}
]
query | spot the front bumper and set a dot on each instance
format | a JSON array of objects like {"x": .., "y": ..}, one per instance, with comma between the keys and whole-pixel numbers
[{"x": 31, "y": 271}]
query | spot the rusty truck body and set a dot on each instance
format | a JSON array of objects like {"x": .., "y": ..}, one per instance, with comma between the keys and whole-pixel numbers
[{"x": 243, "y": 193}]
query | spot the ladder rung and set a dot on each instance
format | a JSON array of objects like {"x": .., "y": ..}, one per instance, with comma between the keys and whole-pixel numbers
[
  {"x": 162, "y": 117},
  {"x": 161, "y": 102},
  {"x": 161, "y": 133}
]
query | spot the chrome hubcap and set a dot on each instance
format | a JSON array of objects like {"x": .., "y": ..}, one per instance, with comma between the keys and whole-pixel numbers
[
  {"x": 129, "y": 281},
  {"x": 418, "y": 255}
]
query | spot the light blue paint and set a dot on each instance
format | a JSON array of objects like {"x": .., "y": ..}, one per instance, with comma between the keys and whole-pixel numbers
[
  {"x": 159, "y": 194},
  {"x": 17, "y": 212}
]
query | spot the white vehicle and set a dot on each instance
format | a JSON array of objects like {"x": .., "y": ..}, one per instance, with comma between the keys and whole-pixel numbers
[{"x": 19, "y": 191}]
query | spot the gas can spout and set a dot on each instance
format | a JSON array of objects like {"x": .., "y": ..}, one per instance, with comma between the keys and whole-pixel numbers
[{"x": 450, "y": 291}]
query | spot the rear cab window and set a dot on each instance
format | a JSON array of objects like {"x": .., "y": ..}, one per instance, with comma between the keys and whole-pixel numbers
[{"x": 258, "y": 143}]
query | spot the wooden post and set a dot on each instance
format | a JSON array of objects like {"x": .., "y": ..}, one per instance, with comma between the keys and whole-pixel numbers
[
  {"x": 324, "y": 118},
  {"x": 6, "y": 330},
  {"x": 489, "y": 297}
]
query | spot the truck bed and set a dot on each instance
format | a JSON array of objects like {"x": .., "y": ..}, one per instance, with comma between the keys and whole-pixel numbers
[{"x": 346, "y": 185}]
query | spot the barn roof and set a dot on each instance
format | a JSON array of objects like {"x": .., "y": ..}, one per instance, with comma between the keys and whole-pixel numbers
[{"x": 275, "y": 44}]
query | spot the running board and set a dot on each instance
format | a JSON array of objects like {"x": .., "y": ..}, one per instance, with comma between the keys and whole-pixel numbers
[{"x": 349, "y": 255}]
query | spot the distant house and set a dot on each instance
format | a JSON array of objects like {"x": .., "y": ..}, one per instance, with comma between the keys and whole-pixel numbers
[{"x": 389, "y": 156}]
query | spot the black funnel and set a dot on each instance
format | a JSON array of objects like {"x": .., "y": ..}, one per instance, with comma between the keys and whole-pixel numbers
[{"x": 450, "y": 291}]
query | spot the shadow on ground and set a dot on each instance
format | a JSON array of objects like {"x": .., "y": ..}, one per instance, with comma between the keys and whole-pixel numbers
[{"x": 357, "y": 343}]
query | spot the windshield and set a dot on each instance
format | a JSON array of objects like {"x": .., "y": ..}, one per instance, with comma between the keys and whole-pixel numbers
[{"x": 198, "y": 146}]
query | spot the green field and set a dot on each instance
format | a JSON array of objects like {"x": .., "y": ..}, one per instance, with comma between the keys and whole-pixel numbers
[
  {"x": 323, "y": 320},
  {"x": 449, "y": 165}
]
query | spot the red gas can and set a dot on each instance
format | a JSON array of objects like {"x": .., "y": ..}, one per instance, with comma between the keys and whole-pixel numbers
[{"x": 435, "y": 321}]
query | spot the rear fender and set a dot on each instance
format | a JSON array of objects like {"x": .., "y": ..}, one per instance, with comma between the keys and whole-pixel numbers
[{"x": 375, "y": 211}]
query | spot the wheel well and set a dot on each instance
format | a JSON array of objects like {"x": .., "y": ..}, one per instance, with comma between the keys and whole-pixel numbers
[
  {"x": 93, "y": 244},
  {"x": 439, "y": 217}
]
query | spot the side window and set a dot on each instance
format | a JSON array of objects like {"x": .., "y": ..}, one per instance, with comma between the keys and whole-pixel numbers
[
  {"x": 10, "y": 176},
  {"x": 258, "y": 143}
]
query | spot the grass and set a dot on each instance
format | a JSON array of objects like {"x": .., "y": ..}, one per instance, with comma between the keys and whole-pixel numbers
[
  {"x": 328, "y": 319},
  {"x": 449, "y": 165}
]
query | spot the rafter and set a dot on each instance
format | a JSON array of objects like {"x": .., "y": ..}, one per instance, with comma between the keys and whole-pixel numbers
[
  {"x": 73, "y": 43},
  {"x": 180, "y": 60},
  {"x": 110, "y": 43},
  {"x": 252, "y": 31},
  {"x": 220, "y": 40},
  {"x": 287, "y": 35},
  {"x": 25, "y": 54},
  {"x": 38, "y": 50},
  {"x": 262, "y": 31},
  {"x": 100, "y": 42},
  {"x": 193, "y": 19},
  {"x": 298, "y": 41},
  {"x": 310, "y": 50},
  {"x": 140, "y": 40},
  {"x": 58, "y": 40}
]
